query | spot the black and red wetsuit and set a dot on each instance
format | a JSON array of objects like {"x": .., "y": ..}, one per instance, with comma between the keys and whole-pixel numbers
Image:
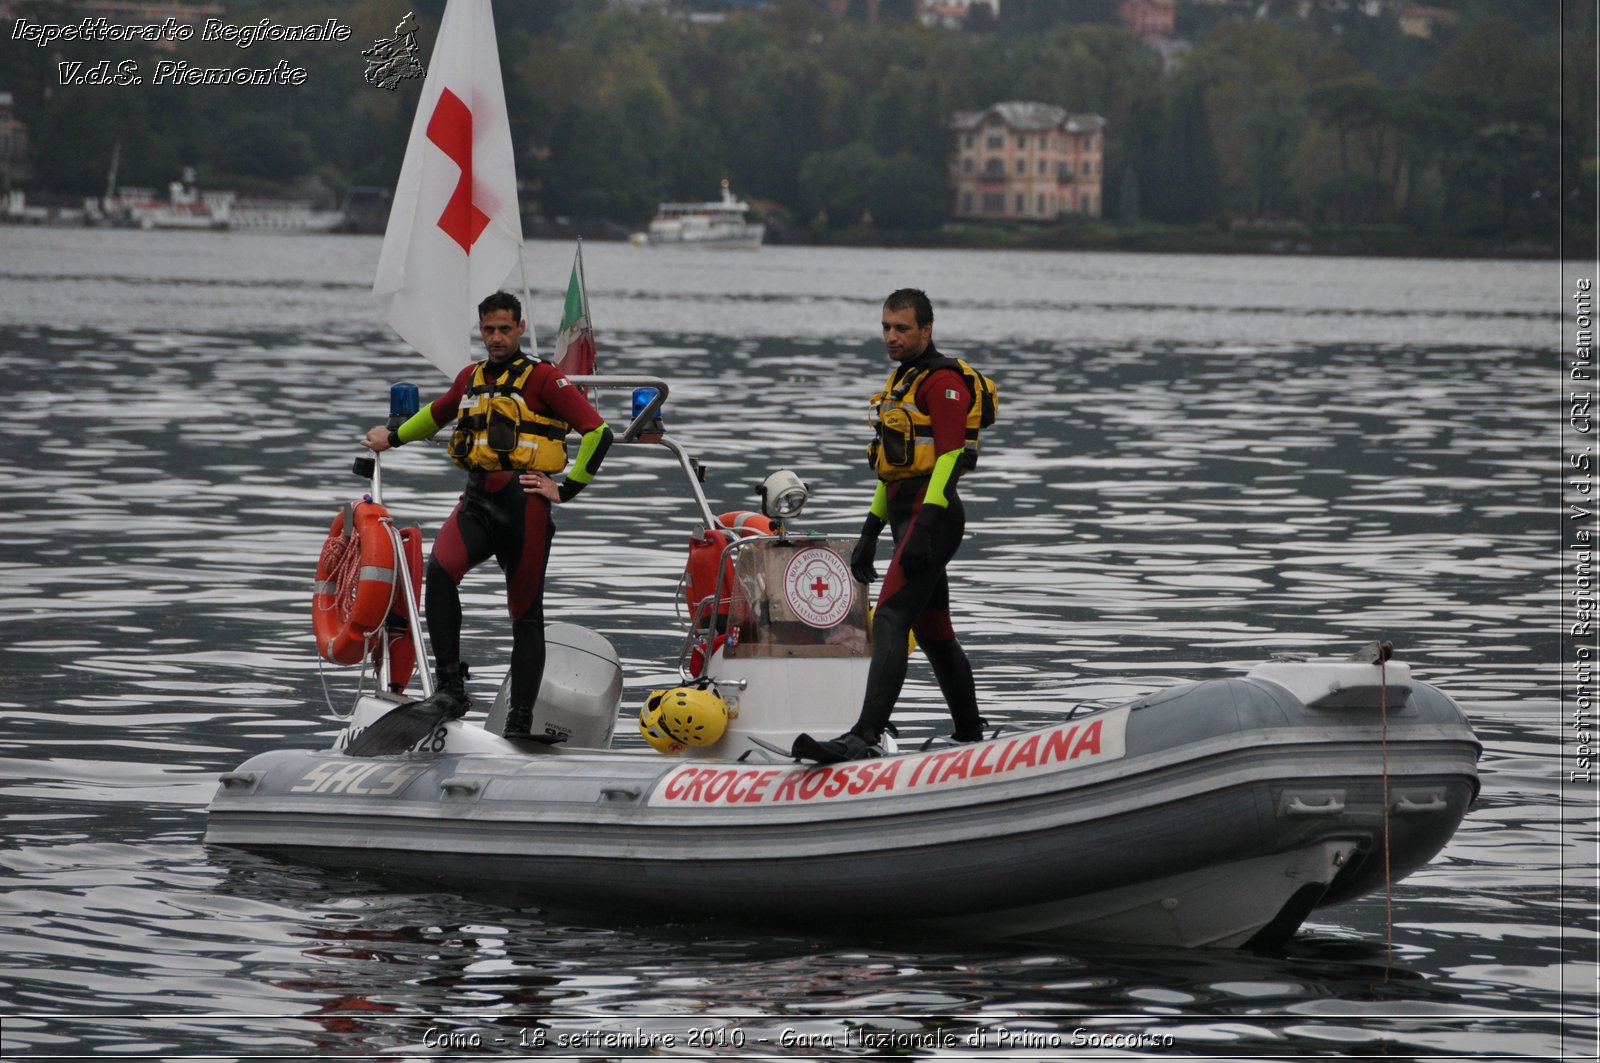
[
  {"x": 497, "y": 518},
  {"x": 920, "y": 601}
]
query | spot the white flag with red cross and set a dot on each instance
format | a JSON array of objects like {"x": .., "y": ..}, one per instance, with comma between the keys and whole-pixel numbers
[{"x": 454, "y": 233}]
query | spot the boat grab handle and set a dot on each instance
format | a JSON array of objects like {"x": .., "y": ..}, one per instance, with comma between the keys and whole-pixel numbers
[
  {"x": 455, "y": 786},
  {"x": 630, "y": 792},
  {"x": 238, "y": 780},
  {"x": 1312, "y": 805},
  {"x": 1405, "y": 803}
]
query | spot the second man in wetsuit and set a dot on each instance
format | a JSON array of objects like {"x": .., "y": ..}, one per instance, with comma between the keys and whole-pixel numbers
[{"x": 920, "y": 421}]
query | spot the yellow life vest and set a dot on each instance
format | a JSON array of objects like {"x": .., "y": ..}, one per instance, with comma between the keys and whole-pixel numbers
[
  {"x": 496, "y": 430},
  {"x": 902, "y": 446}
]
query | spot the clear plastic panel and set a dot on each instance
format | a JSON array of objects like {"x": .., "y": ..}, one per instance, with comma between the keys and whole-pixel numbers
[{"x": 797, "y": 598}]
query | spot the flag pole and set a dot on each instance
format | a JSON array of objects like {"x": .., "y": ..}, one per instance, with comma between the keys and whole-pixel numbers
[
  {"x": 527, "y": 299},
  {"x": 583, "y": 289}
]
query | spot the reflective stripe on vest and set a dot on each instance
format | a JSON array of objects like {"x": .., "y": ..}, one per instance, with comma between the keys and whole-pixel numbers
[{"x": 903, "y": 446}]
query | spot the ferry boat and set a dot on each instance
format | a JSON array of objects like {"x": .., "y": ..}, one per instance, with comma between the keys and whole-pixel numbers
[
  {"x": 717, "y": 223},
  {"x": 1213, "y": 813},
  {"x": 266, "y": 215},
  {"x": 185, "y": 207}
]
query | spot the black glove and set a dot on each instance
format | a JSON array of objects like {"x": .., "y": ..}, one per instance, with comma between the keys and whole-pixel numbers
[
  {"x": 916, "y": 553},
  {"x": 861, "y": 557}
]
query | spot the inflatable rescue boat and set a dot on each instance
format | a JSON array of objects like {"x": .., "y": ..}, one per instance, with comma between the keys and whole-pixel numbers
[{"x": 1219, "y": 813}]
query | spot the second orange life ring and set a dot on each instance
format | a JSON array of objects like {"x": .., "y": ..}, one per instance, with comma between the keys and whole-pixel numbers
[{"x": 355, "y": 586}]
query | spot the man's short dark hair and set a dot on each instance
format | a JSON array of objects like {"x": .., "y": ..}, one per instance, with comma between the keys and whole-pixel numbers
[
  {"x": 500, "y": 301},
  {"x": 916, "y": 299}
]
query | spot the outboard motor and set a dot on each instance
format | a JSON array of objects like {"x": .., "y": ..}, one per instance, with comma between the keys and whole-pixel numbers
[{"x": 579, "y": 695}]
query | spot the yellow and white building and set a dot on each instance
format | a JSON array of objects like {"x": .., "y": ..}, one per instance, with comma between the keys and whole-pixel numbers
[{"x": 1027, "y": 161}]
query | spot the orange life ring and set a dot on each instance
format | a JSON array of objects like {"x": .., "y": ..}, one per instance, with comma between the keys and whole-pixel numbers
[
  {"x": 746, "y": 522},
  {"x": 706, "y": 546},
  {"x": 355, "y": 582}
]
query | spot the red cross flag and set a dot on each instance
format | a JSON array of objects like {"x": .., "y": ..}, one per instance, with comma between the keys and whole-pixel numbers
[{"x": 454, "y": 232}]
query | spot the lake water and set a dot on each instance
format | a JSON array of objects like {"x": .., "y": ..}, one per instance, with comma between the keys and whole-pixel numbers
[{"x": 1200, "y": 462}]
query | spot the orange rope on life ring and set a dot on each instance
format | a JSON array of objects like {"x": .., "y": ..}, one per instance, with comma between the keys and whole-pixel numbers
[{"x": 355, "y": 582}]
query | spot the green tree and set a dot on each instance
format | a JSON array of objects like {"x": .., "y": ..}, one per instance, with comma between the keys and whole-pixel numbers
[
  {"x": 778, "y": 114},
  {"x": 1254, "y": 78},
  {"x": 909, "y": 192},
  {"x": 838, "y": 183},
  {"x": 264, "y": 145},
  {"x": 1348, "y": 106},
  {"x": 1578, "y": 139},
  {"x": 1429, "y": 132},
  {"x": 592, "y": 166},
  {"x": 1503, "y": 177},
  {"x": 1183, "y": 182},
  {"x": 902, "y": 114}
]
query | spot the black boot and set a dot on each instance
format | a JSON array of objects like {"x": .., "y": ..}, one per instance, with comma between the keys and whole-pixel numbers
[
  {"x": 519, "y": 723},
  {"x": 449, "y": 698},
  {"x": 964, "y": 736},
  {"x": 848, "y": 746}
]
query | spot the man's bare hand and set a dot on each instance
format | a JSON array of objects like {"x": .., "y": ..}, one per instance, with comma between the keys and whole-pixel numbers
[{"x": 540, "y": 484}]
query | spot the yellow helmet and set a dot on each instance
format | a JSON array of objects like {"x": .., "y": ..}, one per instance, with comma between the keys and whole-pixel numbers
[{"x": 682, "y": 716}]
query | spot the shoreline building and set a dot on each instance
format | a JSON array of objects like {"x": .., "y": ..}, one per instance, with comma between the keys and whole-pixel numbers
[
  {"x": 1028, "y": 161},
  {"x": 1149, "y": 18},
  {"x": 14, "y": 166}
]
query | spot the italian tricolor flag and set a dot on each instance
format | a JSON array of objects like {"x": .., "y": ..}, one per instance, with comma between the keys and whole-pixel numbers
[{"x": 575, "y": 349}]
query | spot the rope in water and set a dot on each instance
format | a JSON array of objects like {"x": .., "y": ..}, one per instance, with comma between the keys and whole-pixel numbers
[{"x": 1388, "y": 880}]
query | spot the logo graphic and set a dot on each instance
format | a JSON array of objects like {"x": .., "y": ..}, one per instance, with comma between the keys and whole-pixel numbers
[
  {"x": 817, "y": 586},
  {"x": 379, "y": 779},
  {"x": 394, "y": 59}
]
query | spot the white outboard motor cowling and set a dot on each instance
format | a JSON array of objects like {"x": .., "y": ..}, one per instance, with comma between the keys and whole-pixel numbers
[{"x": 579, "y": 695}]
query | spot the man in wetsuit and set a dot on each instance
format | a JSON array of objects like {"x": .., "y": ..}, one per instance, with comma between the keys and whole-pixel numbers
[
  {"x": 512, "y": 416},
  {"x": 920, "y": 419}
]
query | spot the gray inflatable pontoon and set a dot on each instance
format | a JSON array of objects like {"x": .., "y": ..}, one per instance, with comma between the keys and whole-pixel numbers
[{"x": 1214, "y": 813}]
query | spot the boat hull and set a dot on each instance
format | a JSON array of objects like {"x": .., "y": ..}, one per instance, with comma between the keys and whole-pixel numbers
[
  {"x": 733, "y": 237},
  {"x": 1215, "y": 814}
]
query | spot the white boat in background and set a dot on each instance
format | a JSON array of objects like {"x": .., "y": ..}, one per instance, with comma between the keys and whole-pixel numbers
[
  {"x": 267, "y": 215},
  {"x": 716, "y": 223},
  {"x": 185, "y": 207}
]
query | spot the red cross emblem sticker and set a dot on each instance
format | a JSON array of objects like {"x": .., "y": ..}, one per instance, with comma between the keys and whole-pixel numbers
[{"x": 816, "y": 586}]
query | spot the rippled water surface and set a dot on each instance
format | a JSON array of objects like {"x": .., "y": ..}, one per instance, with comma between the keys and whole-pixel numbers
[{"x": 1200, "y": 462}]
